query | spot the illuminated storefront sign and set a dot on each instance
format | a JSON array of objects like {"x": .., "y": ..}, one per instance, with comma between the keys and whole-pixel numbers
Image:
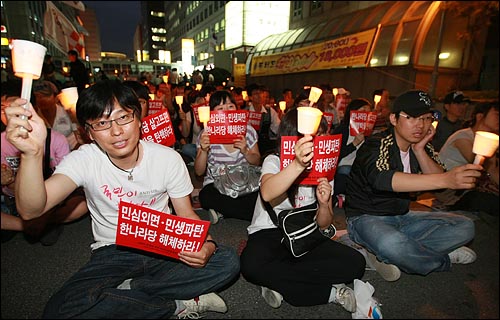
[{"x": 348, "y": 51}]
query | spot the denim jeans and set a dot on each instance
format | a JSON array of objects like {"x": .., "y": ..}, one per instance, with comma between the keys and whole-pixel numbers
[
  {"x": 417, "y": 242},
  {"x": 156, "y": 283}
]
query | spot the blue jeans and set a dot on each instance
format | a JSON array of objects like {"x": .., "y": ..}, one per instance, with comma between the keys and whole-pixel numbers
[
  {"x": 156, "y": 283},
  {"x": 416, "y": 242}
]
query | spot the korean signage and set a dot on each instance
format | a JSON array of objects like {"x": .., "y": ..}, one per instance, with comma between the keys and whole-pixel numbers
[
  {"x": 225, "y": 126},
  {"x": 324, "y": 162},
  {"x": 362, "y": 122},
  {"x": 351, "y": 50},
  {"x": 158, "y": 128},
  {"x": 158, "y": 232},
  {"x": 154, "y": 106}
]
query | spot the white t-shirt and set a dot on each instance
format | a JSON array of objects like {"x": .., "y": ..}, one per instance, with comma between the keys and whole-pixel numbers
[
  {"x": 305, "y": 196},
  {"x": 160, "y": 174}
]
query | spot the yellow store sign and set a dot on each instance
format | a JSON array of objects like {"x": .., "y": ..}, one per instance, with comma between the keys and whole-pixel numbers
[{"x": 352, "y": 50}]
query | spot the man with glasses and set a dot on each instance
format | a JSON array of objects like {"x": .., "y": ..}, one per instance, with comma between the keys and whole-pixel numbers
[
  {"x": 389, "y": 167},
  {"x": 117, "y": 282}
]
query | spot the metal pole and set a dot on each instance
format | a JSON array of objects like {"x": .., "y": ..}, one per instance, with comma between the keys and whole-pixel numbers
[{"x": 435, "y": 72}]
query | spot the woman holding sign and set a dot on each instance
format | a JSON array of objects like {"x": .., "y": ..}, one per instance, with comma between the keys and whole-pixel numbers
[
  {"x": 212, "y": 157},
  {"x": 320, "y": 275},
  {"x": 116, "y": 171}
]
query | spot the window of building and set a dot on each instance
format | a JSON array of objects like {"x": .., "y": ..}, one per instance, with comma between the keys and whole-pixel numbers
[
  {"x": 405, "y": 44},
  {"x": 316, "y": 5},
  {"x": 383, "y": 46},
  {"x": 451, "y": 45},
  {"x": 297, "y": 9}
]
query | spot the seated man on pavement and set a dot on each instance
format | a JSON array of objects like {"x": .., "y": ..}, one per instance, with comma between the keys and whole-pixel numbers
[{"x": 388, "y": 168}]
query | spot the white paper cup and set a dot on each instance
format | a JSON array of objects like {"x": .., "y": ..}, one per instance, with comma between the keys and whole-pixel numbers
[
  {"x": 204, "y": 114},
  {"x": 27, "y": 58},
  {"x": 179, "y": 100},
  {"x": 485, "y": 144},
  {"x": 314, "y": 95},
  {"x": 282, "y": 105},
  {"x": 308, "y": 120},
  {"x": 68, "y": 98}
]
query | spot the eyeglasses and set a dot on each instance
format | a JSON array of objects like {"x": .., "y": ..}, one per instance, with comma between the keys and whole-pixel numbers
[
  {"x": 413, "y": 120},
  {"x": 105, "y": 125}
]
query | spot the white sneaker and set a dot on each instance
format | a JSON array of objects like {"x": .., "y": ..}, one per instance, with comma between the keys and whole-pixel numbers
[
  {"x": 462, "y": 255},
  {"x": 207, "y": 302},
  {"x": 345, "y": 297},
  {"x": 388, "y": 272},
  {"x": 214, "y": 216},
  {"x": 272, "y": 297}
]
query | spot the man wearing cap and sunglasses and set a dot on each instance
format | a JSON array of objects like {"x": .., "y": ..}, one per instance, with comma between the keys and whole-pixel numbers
[
  {"x": 390, "y": 167},
  {"x": 455, "y": 104}
]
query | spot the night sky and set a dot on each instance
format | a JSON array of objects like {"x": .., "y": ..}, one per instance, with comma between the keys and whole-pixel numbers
[{"x": 117, "y": 22}]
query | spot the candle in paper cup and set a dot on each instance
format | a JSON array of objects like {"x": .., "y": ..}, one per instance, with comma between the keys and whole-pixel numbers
[
  {"x": 151, "y": 96},
  {"x": 308, "y": 120},
  {"x": 485, "y": 145},
  {"x": 165, "y": 79},
  {"x": 376, "y": 99},
  {"x": 335, "y": 91},
  {"x": 68, "y": 98},
  {"x": 244, "y": 94},
  {"x": 179, "y": 100},
  {"x": 198, "y": 86},
  {"x": 204, "y": 114},
  {"x": 282, "y": 105},
  {"x": 27, "y": 63},
  {"x": 434, "y": 123},
  {"x": 314, "y": 95},
  {"x": 27, "y": 59}
]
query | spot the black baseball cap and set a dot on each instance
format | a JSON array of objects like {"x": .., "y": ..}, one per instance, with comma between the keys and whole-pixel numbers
[
  {"x": 456, "y": 97},
  {"x": 414, "y": 103}
]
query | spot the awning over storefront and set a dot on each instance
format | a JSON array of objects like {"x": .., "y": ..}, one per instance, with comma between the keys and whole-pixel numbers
[{"x": 390, "y": 34}]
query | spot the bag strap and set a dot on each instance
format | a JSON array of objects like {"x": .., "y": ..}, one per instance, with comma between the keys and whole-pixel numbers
[
  {"x": 46, "y": 158},
  {"x": 269, "y": 210}
]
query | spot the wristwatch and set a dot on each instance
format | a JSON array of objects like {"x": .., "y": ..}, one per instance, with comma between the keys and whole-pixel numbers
[
  {"x": 215, "y": 244},
  {"x": 330, "y": 231}
]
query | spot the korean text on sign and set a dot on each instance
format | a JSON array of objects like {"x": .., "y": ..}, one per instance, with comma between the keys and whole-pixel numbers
[{"x": 158, "y": 232}]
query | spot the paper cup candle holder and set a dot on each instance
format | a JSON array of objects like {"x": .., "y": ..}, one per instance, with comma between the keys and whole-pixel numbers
[{"x": 485, "y": 145}]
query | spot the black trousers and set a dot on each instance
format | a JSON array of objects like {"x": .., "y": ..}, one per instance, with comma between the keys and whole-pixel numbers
[
  {"x": 238, "y": 208},
  {"x": 304, "y": 281}
]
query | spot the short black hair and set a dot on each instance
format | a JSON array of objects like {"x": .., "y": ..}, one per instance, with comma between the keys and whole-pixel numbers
[{"x": 99, "y": 99}]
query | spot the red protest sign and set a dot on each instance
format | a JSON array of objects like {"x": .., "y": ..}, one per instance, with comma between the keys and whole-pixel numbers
[
  {"x": 158, "y": 232},
  {"x": 154, "y": 106},
  {"x": 226, "y": 125},
  {"x": 329, "y": 119},
  {"x": 362, "y": 122},
  {"x": 158, "y": 128},
  {"x": 254, "y": 119},
  {"x": 324, "y": 162}
]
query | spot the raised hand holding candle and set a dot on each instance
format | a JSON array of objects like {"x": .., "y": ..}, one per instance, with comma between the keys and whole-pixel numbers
[
  {"x": 308, "y": 120},
  {"x": 27, "y": 62},
  {"x": 204, "y": 114},
  {"x": 314, "y": 95},
  {"x": 485, "y": 145}
]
